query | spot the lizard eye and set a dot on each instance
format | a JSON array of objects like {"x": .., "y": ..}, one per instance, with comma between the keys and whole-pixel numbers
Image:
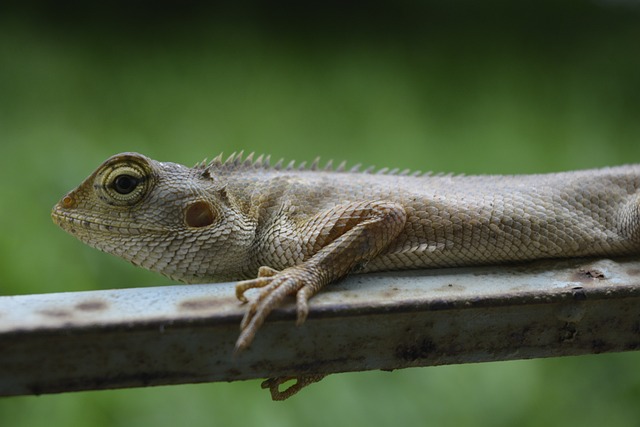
[{"x": 125, "y": 184}]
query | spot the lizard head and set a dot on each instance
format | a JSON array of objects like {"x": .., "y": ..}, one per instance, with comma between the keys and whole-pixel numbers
[{"x": 164, "y": 217}]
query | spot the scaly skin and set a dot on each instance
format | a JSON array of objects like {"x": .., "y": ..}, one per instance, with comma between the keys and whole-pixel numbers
[{"x": 300, "y": 229}]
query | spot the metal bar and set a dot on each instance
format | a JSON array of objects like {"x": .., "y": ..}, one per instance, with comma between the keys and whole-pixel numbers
[{"x": 184, "y": 334}]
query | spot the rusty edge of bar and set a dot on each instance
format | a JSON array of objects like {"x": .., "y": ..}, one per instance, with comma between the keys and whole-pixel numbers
[{"x": 52, "y": 343}]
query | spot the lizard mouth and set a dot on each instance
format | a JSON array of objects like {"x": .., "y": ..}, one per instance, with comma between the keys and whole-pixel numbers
[
  {"x": 78, "y": 223},
  {"x": 70, "y": 221}
]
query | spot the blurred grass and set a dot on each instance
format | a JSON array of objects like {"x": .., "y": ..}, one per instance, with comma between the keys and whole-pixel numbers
[{"x": 491, "y": 88}]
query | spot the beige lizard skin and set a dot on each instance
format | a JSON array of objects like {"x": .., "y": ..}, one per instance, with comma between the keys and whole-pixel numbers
[{"x": 299, "y": 229}]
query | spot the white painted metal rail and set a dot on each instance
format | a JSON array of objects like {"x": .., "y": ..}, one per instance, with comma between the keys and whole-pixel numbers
[{"x": 62, "y": 342}]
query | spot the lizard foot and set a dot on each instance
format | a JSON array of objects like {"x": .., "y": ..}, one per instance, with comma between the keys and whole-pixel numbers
[
  {"x": 242, "y": 287},
  {"x": 277, "y": 286},
  {"x": 273, "y": 384}
]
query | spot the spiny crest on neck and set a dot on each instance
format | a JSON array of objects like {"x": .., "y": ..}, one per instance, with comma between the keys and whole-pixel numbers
[{"x": 236, "y": 162}]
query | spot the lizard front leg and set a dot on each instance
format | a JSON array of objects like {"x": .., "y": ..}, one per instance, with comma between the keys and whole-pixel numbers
[{"x": 342, "y": 238}]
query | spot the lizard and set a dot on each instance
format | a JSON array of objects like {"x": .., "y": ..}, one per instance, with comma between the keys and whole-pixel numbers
[{"x": 291, "y": 230}]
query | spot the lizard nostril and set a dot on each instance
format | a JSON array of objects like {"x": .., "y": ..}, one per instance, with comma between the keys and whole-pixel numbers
[
  {"x": 68, "y": 202},
  {"x": 199, "y": 214}
]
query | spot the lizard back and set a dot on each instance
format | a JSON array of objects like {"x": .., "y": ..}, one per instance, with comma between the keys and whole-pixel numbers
[{"x": 458, "y": 220}]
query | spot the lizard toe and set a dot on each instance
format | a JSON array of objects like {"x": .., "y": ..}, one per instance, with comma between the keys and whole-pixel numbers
[
  {"x": 273, "y": 384},
  {"x": 266, "y": 271},
  {"x": 278, "y": 288},
  {"x": 256, "y": 305},
  {"x": 302, "y": 304},
  {"x": 245, "y": 285}
]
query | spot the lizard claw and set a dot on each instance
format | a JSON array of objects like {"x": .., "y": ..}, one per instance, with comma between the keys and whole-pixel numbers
[
  {"x": 273, "y": 384},
  {"x": 266, "y": 271},
  {"x": 245, "y": 285},
  {"x": 277, "y": 286}
]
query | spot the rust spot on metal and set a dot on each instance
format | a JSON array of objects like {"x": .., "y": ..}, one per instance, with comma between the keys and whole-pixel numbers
[
  {"x": 91, "y": 305},
  {"x": 390, "y": 293},
  {"x": 589, "y": 274},
  {"x": 202, "y": 304},
  {"x": 633, "y": 272},
  {"x": 451, "y": 287},
  {"x": 55, "y": 313}
]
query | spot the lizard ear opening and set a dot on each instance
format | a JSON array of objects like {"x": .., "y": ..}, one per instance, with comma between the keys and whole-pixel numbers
[{"x": 199, "y": 214}]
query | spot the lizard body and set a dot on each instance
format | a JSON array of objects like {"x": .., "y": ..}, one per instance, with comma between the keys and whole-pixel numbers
[{"x": 299, "y": 229}]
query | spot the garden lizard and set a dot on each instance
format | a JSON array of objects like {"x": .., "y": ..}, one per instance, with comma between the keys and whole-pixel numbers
[{"x": 291, "y": 230}]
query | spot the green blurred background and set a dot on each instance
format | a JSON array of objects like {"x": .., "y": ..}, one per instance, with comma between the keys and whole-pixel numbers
[{"x": 493, "y": 87}]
